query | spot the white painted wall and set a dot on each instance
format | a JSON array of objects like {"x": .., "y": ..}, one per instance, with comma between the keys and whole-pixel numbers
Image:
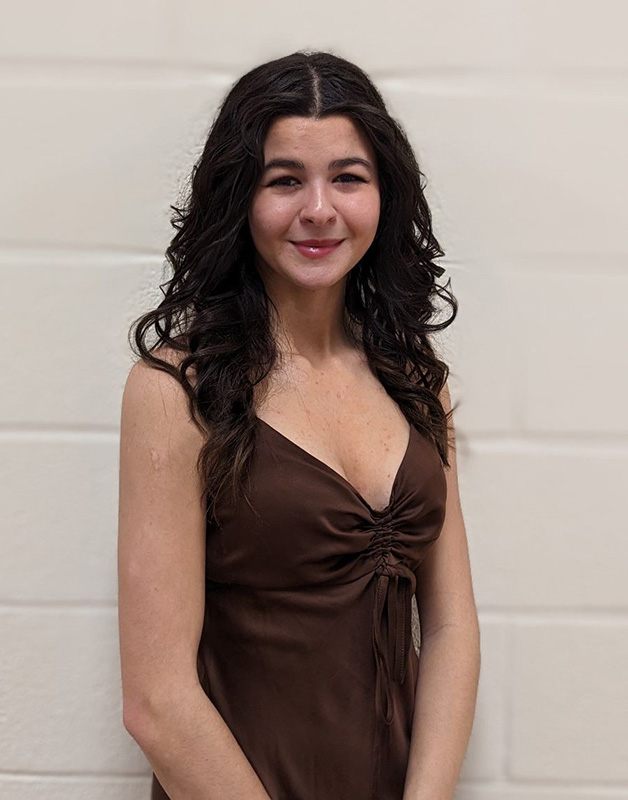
[{"x": 518, "y": 110}]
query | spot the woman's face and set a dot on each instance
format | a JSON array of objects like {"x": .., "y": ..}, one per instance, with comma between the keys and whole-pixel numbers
[{"x": 313, "y": 198}]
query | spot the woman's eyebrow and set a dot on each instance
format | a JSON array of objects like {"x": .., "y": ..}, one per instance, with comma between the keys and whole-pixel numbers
[{"x": 338, "y": 163}]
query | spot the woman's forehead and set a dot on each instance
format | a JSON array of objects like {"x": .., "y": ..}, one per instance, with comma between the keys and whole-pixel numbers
[{"x": 307, "y": 140}]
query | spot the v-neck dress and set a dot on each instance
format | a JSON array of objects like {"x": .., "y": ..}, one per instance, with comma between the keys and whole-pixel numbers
[{"x": 306, "y": 649}]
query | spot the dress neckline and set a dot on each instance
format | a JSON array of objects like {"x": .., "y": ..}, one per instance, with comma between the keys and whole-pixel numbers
[{"x": 393, "y": 491}]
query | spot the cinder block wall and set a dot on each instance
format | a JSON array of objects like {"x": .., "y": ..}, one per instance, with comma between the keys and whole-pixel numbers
[{"x": 518, "y": 111}]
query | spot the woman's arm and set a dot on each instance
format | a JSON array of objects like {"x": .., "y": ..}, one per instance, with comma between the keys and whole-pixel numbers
[
  {"x": 449, "y": 660},
  {"x": 161, "y": 598},
  {"x": 192, "y": 751}
]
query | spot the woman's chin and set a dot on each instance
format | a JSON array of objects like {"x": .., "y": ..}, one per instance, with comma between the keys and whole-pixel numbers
[{"x": 318, "y": 277}]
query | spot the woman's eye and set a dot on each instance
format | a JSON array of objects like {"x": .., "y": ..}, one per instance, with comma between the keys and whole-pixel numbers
[
  {"x": 280, "y": 182},
  {"x": 350, "y": 175},
  {"x": 283, "y": 181}
]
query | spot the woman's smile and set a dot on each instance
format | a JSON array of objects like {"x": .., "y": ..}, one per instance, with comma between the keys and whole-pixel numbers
[{"x": 316, "y": 251}]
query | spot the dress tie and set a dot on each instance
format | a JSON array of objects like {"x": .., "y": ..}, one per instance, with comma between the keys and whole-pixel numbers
[{"x": 394, "y": 586}]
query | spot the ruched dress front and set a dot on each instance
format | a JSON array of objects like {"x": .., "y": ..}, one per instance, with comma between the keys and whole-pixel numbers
[{"x": 306, "y": 649}]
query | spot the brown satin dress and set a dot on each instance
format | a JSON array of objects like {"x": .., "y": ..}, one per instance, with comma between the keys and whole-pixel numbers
[{"x": 306, "y": 649}]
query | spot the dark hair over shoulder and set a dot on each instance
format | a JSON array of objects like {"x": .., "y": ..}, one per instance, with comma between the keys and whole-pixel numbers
[{"x": 215, "y": 311}]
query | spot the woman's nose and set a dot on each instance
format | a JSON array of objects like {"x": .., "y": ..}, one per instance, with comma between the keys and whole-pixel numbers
[{"x": 317, "y": 204}]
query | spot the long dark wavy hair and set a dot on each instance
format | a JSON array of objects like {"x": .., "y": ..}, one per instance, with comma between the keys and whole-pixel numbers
[{"x": 216, "y": 316}]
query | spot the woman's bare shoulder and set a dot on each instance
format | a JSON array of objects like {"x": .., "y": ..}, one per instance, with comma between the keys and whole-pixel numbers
[{"x": 159, "y": 398}]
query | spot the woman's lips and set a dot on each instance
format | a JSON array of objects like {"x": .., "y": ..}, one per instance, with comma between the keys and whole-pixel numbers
[{"x": 316, "y": 252}]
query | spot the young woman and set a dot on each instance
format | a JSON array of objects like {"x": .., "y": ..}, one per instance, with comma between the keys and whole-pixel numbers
[{"x": 287, "y": 467}]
